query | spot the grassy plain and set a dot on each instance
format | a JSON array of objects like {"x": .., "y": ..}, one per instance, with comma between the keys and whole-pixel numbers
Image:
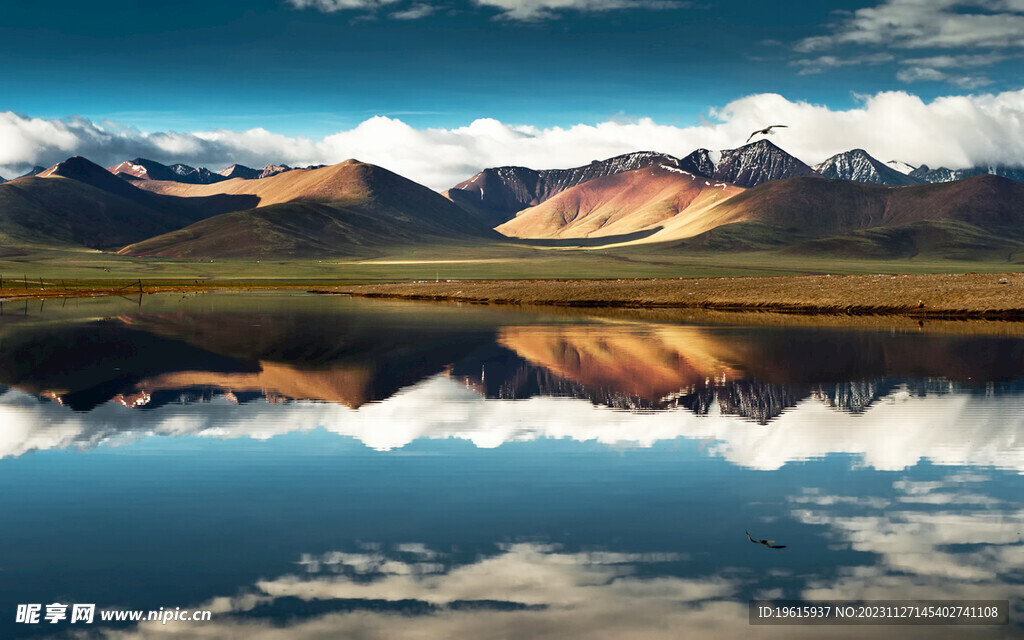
[{"x": 504, "y": 261}]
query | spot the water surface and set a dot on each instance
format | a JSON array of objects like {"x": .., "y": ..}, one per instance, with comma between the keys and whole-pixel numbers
[{"x": 312, "y": 466}]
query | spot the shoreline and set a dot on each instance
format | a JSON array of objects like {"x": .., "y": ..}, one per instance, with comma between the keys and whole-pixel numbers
[
  {"x": 56, "y": 290},
  {"x": 928, "y": 296},
  {"x": 932, "y": 296}
]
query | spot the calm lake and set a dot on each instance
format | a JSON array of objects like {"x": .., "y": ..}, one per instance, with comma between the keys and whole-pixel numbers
[{"x": 308, "y": 466}]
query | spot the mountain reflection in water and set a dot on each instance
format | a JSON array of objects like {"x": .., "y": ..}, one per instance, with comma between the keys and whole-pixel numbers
[
  {"x": 321, "y": 467},
  {"x": 354, "y": 352}
]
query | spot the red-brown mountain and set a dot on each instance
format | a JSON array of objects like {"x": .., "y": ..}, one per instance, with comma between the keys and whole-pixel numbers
[
  {"x": 625, "y": 203},
  {"x": 977, "y": 217},
  {"x": 498, "y": 194},
  {"x": 350, "y": 208}
]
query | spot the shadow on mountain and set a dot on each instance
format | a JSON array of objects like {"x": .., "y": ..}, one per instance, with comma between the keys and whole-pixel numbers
[{"x": 588, "y": 242}]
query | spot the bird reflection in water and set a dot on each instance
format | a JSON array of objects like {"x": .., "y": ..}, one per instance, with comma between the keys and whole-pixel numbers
[{"x": 767, "y": 543}]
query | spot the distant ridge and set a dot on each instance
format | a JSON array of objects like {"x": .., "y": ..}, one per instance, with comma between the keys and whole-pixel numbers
[
  {"x": 79, "y": 203},
  {"x": 142, "y": 169},
  {"x": 240, "y": 171},
  {"x": 273, "y": 170},
  {"x": 858, "y": 165},
  {"x": 942, "y": 174},
  {"x": 34, "y": 171}
]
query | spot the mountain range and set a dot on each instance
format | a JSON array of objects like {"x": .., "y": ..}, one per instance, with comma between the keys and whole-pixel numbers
[
  {"x": 78, "y": 203},
  {"x": 497, "y": 194},
  {"x": 344, "y": 209},
  {"x": 501, "y": 192},
  {"x": 943, "y": 174},
  {"x": 756, "y": 197},
  {"x": 143, "y": 169},
  {"x": 623, "y": 204}
]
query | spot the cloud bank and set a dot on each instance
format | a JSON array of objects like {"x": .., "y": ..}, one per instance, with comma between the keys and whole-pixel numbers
[{"x": 954, "y": 131}]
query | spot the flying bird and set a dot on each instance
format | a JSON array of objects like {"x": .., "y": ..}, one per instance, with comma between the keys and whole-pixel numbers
[
  {"x": 767, "y": 543},
  {"x": 767, "y": 131}
]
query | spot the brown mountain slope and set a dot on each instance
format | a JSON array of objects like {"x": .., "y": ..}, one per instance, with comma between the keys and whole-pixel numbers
[
  {"x": 326, "y": 184},
  {"x": 79, "y": 203},
  {"x": 827, "y": 207},
  {"x": 623, "y": 203},
  {"x": 185, "y": 210},
  {"x": 967, "y": 219},
  {"x": 347, "y": 209},
  {"x": 498, "y": 193}
]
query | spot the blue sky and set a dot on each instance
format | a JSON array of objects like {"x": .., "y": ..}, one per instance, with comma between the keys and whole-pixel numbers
[
  {"x": 196, "y": 64},
  {"x": 107, "y": 79}
]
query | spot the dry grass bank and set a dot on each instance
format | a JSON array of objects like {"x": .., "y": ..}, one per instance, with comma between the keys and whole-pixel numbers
[{"x": 929, "y": 296}]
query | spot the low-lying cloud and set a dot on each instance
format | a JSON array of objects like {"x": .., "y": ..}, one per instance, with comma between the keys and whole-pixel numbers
[{"x": 952, "y": 131}]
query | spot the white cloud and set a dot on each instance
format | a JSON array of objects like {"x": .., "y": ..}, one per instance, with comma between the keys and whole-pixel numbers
[
  {"x": 541, "y": 9},
  {"x": 928, "y": 74},
  {"x": 956, "y": 61},
  {"x": 522, "y": 10},
  {"x": 917, "y": 24},
  {"x": 414, "y": 12},
  {"x": 897, "y": 433},
  {"x": 821, "y": 64},
  {"x": 575, "y": 595},
  {"x": 955, "y": 131},
  {"x": 920, "y": 553},
  {"x": 330, "y": 6}
]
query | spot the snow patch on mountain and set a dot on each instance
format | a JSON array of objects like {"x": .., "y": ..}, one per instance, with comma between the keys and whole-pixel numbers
[{"x": 899, "y": 165}]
